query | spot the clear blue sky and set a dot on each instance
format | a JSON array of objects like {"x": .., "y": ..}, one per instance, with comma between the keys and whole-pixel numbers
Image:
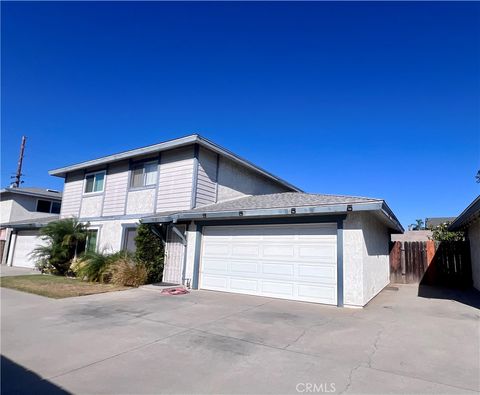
[{"x": 369, "y": 99}]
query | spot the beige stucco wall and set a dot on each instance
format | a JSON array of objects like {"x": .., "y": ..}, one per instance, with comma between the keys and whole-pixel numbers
[
  {"x": 5, "y": 210},
  {"x": 376, "y": 263},
  {"x": 91, "y": 206},
  {"x": 15, "y": 207},
  {"x": 110, "y": 234},
  {"x": 366, "y": 268},
  {"x": 353, "y": 243},
  {"x": 474, "y": 238},
  {"x": 141, "y": 201}
]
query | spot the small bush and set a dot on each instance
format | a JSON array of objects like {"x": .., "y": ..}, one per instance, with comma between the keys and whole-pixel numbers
[
  {"x": 149, "y": 252},
  {"x": 94, "y": 266},
  {"x": 123, "y": 270}
]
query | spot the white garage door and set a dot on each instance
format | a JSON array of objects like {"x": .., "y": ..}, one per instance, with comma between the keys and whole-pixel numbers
[
  {"x": 296, "y": 262},
  {"x": 26, "y": 241}
]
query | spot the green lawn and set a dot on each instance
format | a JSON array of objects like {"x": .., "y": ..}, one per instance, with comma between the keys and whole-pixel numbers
[{"x": 56, "y": 286}]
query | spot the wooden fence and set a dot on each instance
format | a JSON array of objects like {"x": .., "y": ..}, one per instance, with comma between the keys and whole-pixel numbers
[{"x": 432, "y": 263}]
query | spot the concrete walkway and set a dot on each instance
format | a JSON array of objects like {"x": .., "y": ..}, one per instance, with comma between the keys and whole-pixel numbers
[
  {"x": 16, "y": 271},
  {"x": 142, "y": 342}
]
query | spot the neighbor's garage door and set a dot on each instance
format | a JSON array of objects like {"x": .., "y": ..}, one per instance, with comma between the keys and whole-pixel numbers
[
  {"x": 26, "y": 241},
  {"x": 296, "y": 262}
]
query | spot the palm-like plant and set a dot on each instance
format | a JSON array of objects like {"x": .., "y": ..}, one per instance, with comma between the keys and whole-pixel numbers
[{"x": 63, "y": 237}]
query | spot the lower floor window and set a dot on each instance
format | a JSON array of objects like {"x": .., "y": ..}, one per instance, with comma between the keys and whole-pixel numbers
[
  {"x": 129, "y": 241},
  {"x": 91, "y": 241}
]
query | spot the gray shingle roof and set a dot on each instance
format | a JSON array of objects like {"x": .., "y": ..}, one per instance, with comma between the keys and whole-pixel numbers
[
  {"x": 32, "y": 191},
  {"x": 283, "y": 200}
]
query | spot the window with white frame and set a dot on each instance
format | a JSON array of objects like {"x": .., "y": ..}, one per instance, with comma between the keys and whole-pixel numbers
[
  {"x": 144, "y": 175},
  {"x": 95, "y": 182}
]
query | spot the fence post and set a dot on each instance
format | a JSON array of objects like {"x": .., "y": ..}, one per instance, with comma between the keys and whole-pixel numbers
[{"x": 402, "y": 262}]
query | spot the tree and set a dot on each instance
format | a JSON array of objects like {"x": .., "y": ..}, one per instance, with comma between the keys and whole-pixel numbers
[
  {"x": 441, "y": 233},
  {"x": 65, "y": 239},
  {"x": 418, "y": 225},
  {"x": 149, "y": 252},
  {"x": 478, "y": 176}
]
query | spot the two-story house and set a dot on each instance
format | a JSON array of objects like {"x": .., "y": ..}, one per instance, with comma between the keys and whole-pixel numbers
[
  {"x": 232, "y": 226},
  {"x": 22, "y": 212}
]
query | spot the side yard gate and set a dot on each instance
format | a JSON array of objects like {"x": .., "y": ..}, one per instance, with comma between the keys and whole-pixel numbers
[{"x": 431, "y": 263}]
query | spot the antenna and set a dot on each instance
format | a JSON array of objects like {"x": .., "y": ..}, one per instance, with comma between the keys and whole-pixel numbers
[{"x": 18, "y": 174}]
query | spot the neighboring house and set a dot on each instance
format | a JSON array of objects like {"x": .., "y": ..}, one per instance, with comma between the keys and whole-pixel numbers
[
  {"x": 232, "y": 226},
  {"x": 22, "y": 212},
  {"x": 431, "y": 223},
  {"x": 469, "y": 221}
]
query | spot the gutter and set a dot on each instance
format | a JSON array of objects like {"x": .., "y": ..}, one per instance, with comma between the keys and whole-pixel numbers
[{"x": 280, "y": 212}]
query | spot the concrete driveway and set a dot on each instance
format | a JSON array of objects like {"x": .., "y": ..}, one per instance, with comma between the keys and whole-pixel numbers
[
  {"x": 139, "y": 341},
  {"x": 16, "y": 271}
]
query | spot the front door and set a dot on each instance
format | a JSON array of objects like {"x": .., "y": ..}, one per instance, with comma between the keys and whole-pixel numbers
[{"x": 174, "y": 256}]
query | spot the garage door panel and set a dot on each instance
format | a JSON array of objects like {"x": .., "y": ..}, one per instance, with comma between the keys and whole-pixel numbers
[
  {"x": 284, "y": 261},
  {"x": 278, "y": 289},
  {"x": 243, "y": 285},
  {"x": 276, "y": 268},
  {"x": 216, "y": 249},
  {"x": 325, "y": 273},
  {"x": 215, "y": 265},
  {"x": 319, "y": 252},
  {"x": 315, "y": 292},
  {"x": 243, "y": 268},
  {"x": 278, "y": 250},
  {"x": 216, "y": 283},
  {"x": 248, "y": 250}
]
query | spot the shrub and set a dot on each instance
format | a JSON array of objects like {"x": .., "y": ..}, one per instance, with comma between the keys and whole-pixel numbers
[
  {"x": 94, "y": 266},
  {"x": 149, "y": 252},
  {"x": 125, "y": 271},
  {"x": 63, "y": 239},
  {"x": 441, "y": 233}
]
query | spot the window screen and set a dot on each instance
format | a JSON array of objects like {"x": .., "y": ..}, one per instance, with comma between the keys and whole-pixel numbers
[
  {"x": 129, "y": 243},
  {"x": 144, "y": 175}
]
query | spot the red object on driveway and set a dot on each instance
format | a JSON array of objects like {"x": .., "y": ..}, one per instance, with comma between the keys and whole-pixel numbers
[{"x": 175, "y": 291}]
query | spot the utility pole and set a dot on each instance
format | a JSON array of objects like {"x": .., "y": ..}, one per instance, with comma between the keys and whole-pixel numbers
[{"x": 18, "y": 174}]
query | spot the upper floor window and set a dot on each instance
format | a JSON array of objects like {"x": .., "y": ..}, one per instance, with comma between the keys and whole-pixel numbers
[
  {"x": 94, "y": 182},
  {"x": 47, "y": 206},
  {"x": 144, "y": 174}
]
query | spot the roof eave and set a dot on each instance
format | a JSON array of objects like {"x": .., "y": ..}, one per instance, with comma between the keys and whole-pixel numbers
[
  {"x": 470, "y": 214},
  {"x": 172, "y": 144},
  {"x": 281, "y": 212}
]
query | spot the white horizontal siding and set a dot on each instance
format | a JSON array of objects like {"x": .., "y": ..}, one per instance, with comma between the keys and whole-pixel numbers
[
  {"x": 72, "y": 195},
  {"x": 116, "y": 189},
  {"x": 175, "y": 180},
  {"x": 207, "y": 178}
]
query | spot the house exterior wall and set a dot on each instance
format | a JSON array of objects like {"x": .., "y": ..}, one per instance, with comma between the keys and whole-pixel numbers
[
  {"x": 72, "y": 195},
  {"x": 141, "y": 201},
  {"x": 17, "y": 207},
  {"x": 5, "y": 209},
  {"x": 366, "y": 268},
  {"x": 206, "y": 192},
  {"x": 110, "y": 233},
  {"x": 217, "y": 179},
  {"x": 235, "y": 181},
  {"x": 91, "y": 206},
  {"x": 116, "y": 187},
  {"x": 474, "y": 238},
  {"x": 175, "y": 180},
  {"x": 353, "y": 242},
  {"x": 376, "y": 263}
]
